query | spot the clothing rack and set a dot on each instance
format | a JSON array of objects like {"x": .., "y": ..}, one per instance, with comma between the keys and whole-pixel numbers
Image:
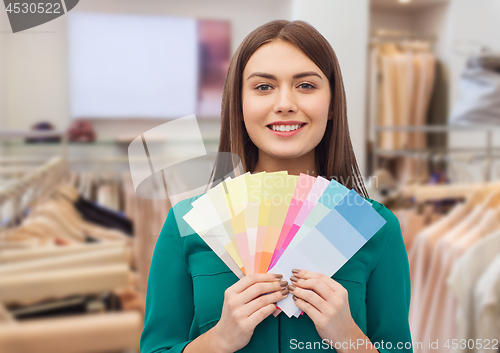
[
  {"x": 486, "y": 152},
  {"x": 36, "y": 274},
  {"x": 12, "y": 134}
]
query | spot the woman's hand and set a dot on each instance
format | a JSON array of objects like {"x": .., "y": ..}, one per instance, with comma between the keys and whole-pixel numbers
[
  {"x": 246, "y": 304},
  {"x": 325, "y": 301}
]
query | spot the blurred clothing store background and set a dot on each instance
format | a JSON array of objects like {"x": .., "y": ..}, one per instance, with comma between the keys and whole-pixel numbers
[{"x": 422, "y": 80}]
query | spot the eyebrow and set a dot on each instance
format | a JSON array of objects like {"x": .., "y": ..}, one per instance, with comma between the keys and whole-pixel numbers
[{"x": 272, "y": 77}]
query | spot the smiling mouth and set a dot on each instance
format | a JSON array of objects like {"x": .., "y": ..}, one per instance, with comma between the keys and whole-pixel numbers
[{"x": 286, "y": 128}]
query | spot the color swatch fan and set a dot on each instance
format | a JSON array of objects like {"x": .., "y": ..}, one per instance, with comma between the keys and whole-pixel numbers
[{"x": 275, "y": 222}]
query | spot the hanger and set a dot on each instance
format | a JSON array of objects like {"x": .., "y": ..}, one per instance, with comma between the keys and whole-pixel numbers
[
  {"x": 32, "y": 287},
  {"x": 96, "y": 257},
  {"x": 17, "y": 255},
  {"x": 492, "y": 200}
]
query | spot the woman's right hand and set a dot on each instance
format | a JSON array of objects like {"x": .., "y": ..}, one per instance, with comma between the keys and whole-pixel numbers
[{"x": 246, "y": 304}]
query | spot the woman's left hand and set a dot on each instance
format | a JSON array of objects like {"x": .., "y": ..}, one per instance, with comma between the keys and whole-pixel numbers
[{"x": 325, "y": 301}]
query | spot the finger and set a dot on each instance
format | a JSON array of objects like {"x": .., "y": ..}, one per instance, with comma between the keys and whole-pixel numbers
[
  {"x": 247, "y": 281},
  {"x": 257, "y": 303},
  {"x": 317, "y": 285},
  {"x": 305, "y": 274},
  {"x": 309, "y": 309},
  {"x": 258, "y": 316},
  {"x": 261, "y": 288},
  {"x": 309, "y": 296}
]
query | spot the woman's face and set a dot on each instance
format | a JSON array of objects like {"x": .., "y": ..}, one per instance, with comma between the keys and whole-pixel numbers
[{"x": 283, "y": 88}]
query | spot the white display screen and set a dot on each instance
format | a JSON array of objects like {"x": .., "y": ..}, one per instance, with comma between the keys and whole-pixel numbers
[{"x": 130, "y": 66}]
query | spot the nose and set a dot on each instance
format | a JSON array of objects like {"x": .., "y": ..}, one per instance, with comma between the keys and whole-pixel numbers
[{"x": 285, "y": 101}]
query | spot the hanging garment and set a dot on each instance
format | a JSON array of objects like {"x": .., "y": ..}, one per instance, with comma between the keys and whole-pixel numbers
[
  {"x": 103, "y": 216},
  {"x": 438, "y": 107},
  {"x": 438, "y": 256},
  {"x": 148, "y": 217},
  {"x": 479, "y": 97},
  {"x": 74, "y": 305},
  {"x": 389, "y": 96},
  {"x": 420, "y": 259},
  {"x": 374, "y": 87},
  {"x": 424, "y": 68},
  {"x": 440, "y": 321},
  {"x": 411, "y": 224},
  {"x": 487, "y": 306},
  {"x": 463, "y": 279}
]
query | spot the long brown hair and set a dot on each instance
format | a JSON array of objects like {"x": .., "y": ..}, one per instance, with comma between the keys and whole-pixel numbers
[{"x": 334, "y": 154}]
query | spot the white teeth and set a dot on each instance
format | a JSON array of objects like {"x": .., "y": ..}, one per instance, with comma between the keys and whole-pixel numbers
[{"x": 285, "y": 127}]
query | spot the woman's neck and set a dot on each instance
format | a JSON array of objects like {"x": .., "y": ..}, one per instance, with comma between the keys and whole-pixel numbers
[{"x": 305, "y": 164}]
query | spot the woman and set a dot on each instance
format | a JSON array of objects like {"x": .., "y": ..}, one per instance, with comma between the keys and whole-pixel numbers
[{"x": 283, "y": 77}]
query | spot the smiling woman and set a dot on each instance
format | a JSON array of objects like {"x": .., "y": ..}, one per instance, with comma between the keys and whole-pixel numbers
[
  {"x": 286, "y": 73},
  {"x": 278, "y": 100},
  {"x": 283, "y": 108}
]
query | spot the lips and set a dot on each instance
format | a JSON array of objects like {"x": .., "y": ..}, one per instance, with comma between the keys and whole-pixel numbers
[{"x": 286, "y": 133}]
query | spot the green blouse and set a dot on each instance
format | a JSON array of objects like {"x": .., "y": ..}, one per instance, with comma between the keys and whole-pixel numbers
[{"x": 187, "y": 281}]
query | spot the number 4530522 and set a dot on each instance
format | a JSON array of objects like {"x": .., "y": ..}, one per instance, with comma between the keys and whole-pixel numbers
[
  {"x": 41, "y": 7},
  {"x": 472, "y": 344}
]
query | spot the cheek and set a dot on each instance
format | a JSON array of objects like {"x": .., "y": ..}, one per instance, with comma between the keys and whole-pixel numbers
[
  {"x": 253, "y": 110},
  {"x": 254, "y": 115},
  {"x": 317, "y": 111}
]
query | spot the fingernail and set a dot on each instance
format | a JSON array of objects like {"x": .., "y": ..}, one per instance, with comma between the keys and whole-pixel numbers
[
  {"x": 283, "y": 283},
  {"x": 291, "y": 287},
  {"x": 278, "y": 275},
  {"x": 285, "y": 291},
  {"x": 295, "y": 271},
  {"x": 293, "y": 278},
  {"x": 295, "y": 298}
]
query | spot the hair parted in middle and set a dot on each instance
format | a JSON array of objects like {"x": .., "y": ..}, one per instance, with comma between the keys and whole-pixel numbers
[{"x": 334, "y": 154}]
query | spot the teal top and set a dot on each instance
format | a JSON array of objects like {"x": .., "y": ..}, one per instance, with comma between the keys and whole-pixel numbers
[{"x": 187, "y": 281}]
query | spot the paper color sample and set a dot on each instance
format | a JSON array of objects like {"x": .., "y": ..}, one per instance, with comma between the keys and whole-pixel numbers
[
  {"x": 237, "y": 192},
  {"x": 254, "y": 185},
  {"x": 312, "y": 198},
  {"x": 304, "y": 185},
  {"x": 318, "y": 228},
  {"x": 282, "y": 196},
  {"x": 333, "y": 193},
  {"x": 212, "y": 220},
  {"x": 331, "y": 243},
  {"x": 267, "y": 190},
  {"x": 197, "y": 221}
]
